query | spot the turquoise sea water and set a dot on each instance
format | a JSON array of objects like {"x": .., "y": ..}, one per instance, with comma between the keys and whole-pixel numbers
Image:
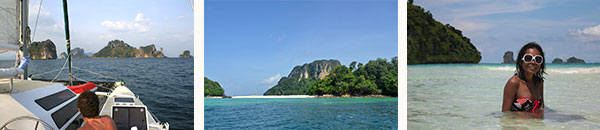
[
  {"x": 303, "y": 113},
  {"x": 469, "y": 96}
]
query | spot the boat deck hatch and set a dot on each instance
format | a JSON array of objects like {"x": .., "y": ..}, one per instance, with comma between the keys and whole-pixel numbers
[
  {"x": 124, "y": 100},
  {"x": 55, "y": 99},
  {"x": 64, "y": 114},
  {"x": 128, "y": 117}
]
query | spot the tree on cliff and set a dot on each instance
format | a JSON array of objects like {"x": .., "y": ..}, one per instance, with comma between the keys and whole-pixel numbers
[
  {"x": 430, "y": 41},
  {"x": 212, "y": 88}
]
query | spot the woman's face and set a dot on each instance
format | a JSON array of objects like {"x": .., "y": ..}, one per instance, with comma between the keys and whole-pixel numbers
[{"x": 531, "y": 67}]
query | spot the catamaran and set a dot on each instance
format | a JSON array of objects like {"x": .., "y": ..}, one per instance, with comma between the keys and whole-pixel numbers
[{"x": 38, "y": 104}]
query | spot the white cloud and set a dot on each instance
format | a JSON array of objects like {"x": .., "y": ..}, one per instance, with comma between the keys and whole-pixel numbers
[
  {"x": 139, "y": 24},
  {"x": 458, "y": 9},
  {"x": 589, "y": 34},
  {"x": 272, "y": 79}
]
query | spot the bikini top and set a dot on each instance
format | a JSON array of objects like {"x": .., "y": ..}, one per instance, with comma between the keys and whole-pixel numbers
[{"x": 526, "y": 104}]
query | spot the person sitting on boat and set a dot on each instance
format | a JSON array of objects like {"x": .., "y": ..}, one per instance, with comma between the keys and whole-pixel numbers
[
  {"x": 524, "y": 91},
  {"x": 88, "y": 106}
]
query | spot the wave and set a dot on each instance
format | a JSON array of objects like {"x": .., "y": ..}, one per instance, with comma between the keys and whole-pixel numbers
[
  {"x": 502, "y": 68},
  {"x": 592, "y": 70}
]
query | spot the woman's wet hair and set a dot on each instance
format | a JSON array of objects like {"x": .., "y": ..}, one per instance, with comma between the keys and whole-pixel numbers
[{"x": 538, "y": 77}]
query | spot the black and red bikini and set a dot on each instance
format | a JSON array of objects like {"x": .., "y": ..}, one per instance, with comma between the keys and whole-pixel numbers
[{"x": 526, "y": 104}]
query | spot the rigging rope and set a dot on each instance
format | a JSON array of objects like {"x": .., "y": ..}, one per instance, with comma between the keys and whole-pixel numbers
[
  {"x": 37, "y": 19},
  {"x": 105, "y": 76},
  {"x": 61, "y": 69}
]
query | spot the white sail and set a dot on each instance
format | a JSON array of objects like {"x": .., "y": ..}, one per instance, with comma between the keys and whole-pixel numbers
[{"x": 9, "y": 24}]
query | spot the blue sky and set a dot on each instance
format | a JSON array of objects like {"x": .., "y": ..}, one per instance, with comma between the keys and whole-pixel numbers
[
  {"x": 167, "y": 24},
  {"x": 250, "y": 45},
  {"x": 562, "y": 28}
]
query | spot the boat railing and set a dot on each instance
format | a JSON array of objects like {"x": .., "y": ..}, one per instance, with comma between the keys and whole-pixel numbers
[{"x": 4, "y": 126}]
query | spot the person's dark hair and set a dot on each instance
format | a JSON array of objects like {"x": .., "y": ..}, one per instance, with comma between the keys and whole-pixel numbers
[
  {"x": 88, "y": 104},
  {"x": 537, "y": 77}
]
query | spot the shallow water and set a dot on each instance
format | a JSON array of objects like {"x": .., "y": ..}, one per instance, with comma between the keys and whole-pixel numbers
[
  {"x": 301, "y": 113},
  {"x": 164, "y": 85},
  {"x": 466, "y": 96}
]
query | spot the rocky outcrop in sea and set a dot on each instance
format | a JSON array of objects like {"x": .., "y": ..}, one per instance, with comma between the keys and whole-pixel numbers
[
  {"x": 42, "y": 50},
  {"x": 186, "y": 54},
  {"x": 508, "y": 58}
]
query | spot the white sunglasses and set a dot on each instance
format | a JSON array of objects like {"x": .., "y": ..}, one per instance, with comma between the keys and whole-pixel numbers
[{"x": 528, "y": 58}]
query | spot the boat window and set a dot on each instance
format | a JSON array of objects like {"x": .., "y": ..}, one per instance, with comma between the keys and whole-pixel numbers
[
  {"x": 127, "y": 100},
  {"x": 63, "y": 115},
  {"x": 55, "y": 99}
]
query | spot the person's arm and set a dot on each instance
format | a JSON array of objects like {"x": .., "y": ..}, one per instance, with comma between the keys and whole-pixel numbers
[
  {"x": 510, "y": 90},
  {"x": 542, "y": 94}
]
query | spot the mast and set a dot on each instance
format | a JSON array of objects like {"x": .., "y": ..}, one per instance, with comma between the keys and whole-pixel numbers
[
  {"x": 24, "y": 35},
  {"x": 68, "y": 40}
]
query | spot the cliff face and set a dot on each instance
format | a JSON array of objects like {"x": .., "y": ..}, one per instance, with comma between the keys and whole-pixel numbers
[
  {"x": 62, "y": 55},
  {"x": 42, "y": 50},
  {"x": 78, "y": 53},
  {"x": 148, "y": 52},
  {"x": 315, "y": 70},
  {"x": 302, "y": 77},
  {"x": 186, "y": 54},
  {"x": 430, "y": 41},
  {"x": 116, "y": 49},
  {"x": 508, "y": 58}
]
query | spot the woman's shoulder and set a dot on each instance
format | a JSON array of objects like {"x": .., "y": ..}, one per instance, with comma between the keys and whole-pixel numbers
[{"x": 514, "y": 80}]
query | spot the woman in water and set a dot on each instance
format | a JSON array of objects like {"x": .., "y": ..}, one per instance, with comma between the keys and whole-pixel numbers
[{"x": 524, "y": 91}]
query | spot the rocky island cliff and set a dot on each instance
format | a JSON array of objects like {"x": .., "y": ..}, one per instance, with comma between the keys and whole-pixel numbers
[
  {"x": 431, "y": 42},
  {"x": 42, "y": 50},
  {"x": 120, "y": 49},
  {"x": 185, "y": 54},
  {"x": 302, "y": 77},
  {"x": 75, "y": 53}
]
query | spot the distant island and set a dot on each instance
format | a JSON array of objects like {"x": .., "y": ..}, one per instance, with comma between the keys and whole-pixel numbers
[
  {"x": 75, "y": 53},
  {"x": 431, "y": 42},
  {"x": 186, "y": 54},
  {"x": 42, "y": 50},
  {"x": 212, "y": 88},
  {"x": 120, "y": 49},
  {"x": 329, "y": 77},
  {"x": 508, "y": 58},
  {"x": 570, "y": 60}
]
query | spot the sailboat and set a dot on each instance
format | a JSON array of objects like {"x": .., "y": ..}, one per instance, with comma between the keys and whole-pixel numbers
[{"x": 38, "y": 104}]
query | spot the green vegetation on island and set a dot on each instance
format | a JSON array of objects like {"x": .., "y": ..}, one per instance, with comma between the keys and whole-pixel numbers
[
  {"x": 430, "y": 41},
  {"x": 303, "y": 77},
  {"x": 42, "y": 50},
  {"x": 185, "y": 54},
  {"x": 569, "y": 61},
  {"x": 120, "y": 49},
  {"x": 116, "y": 49},
  {"x": 212, "y": 88},
  {"x": 378, "y": 77}
]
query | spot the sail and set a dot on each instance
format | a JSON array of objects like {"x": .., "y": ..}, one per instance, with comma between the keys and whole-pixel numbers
[{"x": 9, "y": 24}]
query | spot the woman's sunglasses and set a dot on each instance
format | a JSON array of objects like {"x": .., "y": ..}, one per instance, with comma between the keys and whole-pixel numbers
[{"x": 528, "y": 58}]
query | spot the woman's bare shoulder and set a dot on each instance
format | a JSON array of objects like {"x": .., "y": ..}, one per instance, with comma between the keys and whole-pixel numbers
[{"x": 514, "y": 81}]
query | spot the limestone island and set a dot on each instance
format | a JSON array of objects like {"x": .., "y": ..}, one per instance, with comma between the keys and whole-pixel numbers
[
  {"x": 75, "y": 53},
  {"x": 569, "y": 61},
  {"x": 431, "y": 42},
  {"x": 120, "y": 49},
  {"x": 186, "y": 54},
  {"x": 42, "y": 50}
]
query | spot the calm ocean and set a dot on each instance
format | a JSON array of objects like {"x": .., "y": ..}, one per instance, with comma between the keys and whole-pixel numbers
[
  {"x": 469, "y": 96},
  {"x": 302, "y": 113},
  {"x": 164, "y": 85}
]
